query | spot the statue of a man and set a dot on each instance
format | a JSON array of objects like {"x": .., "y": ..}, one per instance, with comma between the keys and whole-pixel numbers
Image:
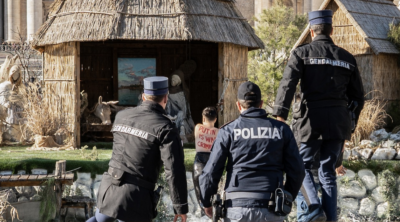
[{"x": 178, "y": 106}]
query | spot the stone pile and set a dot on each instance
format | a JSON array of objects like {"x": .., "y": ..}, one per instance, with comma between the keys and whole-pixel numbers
[
  {"x": 364, "y": 196},
  {"x": 381, "y": 146}
]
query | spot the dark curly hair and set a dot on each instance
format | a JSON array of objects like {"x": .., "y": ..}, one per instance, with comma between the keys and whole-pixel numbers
[{"x": 210, "y": 113}]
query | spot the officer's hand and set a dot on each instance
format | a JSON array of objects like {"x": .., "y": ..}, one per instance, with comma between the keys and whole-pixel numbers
[
  {"x": 182, "y": 216},
  {"x": 208, "y": 211},
  {"x": 341, "y": 171},
  {"x": 281, "y": 119}
]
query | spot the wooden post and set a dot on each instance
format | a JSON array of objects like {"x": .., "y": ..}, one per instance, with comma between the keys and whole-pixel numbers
[
  {"x": 232, "y": 64},
  {"x": 221, "y": 65},
  {"x": 78, "y": 94},
  {"x": 59, "y": 173}
]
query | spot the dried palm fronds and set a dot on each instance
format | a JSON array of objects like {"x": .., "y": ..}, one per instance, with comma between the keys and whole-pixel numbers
[
  {"x": 372, "y": 117},
  {"x": 5, "y": 206},
  {"x": 42, "y": 110}
]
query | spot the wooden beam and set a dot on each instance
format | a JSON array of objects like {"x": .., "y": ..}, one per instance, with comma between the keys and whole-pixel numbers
[{"x": 18, "y": 183}]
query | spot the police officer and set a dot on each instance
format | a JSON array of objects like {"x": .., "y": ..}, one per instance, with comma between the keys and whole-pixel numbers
[
  {"x": 330, "y": 83},
  {"x": 144, "y": 137},
  {"x": 259, "y": 149}
]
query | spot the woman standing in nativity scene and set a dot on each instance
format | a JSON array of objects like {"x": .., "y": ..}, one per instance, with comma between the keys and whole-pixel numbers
[
  {"x": 178, "y": 104},
  {"x": 205, "y": 135}
]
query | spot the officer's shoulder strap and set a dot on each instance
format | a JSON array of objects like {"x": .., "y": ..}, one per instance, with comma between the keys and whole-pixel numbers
[
  {"x": 302, "y": 45},
  {"x": 169, "y": 118},
  {"x": 226, "y": 124}
]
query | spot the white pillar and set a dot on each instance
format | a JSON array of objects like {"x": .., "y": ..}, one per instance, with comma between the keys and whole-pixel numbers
[
  {"x": 294, "y": 3},
  {"x": 5, "y": 20},
  {"x": 14, "y": 20},
  {"x": 307, "y": 6},
  {"x": 34, "y": 11},
  {"x": 269, "y": 4},
  {"x": 2, "y": 22},
  {"x": 316, "y": 4}
]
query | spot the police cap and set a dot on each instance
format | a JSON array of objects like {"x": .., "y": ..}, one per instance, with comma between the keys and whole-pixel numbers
[
  {"x": 155, "y": 86},
  {"x": 249, "y": 91},
  {"x": 320, "y": 17}
]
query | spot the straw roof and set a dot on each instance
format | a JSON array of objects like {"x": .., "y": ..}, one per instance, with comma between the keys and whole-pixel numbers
[
  {"x": 371, "y": 18},
  {"x": 100, "y": 20}
]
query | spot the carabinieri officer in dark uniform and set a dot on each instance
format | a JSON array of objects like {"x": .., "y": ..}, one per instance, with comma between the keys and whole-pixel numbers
[
  {"x": 330, "y": 83},
  {"x": 259, "y": 150},
  {"x": 144, "y": 138}
]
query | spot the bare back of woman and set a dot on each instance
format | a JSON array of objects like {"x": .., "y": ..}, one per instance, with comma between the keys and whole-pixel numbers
[{"x": 205, "y": 135}]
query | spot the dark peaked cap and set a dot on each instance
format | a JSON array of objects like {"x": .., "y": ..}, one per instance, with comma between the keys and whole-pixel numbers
[
  {"x": 249, "y": 91},
  {"x": 155, "y": 86},
  {"x": 320, "y": 17}
]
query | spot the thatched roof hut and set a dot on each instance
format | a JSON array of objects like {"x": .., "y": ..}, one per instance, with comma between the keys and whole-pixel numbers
[
  {"x": 361, "y": 27},
  {"x": 101, "y": 20},
  {"x": 86, "y": 43}
]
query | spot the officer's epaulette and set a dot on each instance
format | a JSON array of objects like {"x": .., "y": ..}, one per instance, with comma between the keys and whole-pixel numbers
[
  {"x": 172, "y": 119},
  {"x": 226, "y": 124}
]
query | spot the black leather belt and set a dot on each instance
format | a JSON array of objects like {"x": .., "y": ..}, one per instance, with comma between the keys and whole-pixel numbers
[
  {"x": 326, "y": 103},
  {"x": 120, "y": 175},
  {"x": 247, "y": 203},
  {"x": 249, "y": 195},
  {"x": 249, "y": 199}
]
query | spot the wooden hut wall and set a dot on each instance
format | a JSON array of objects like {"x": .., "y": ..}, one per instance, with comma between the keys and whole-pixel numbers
[
  {"x": 232, "y": 65},
  {"x": 99, "y": 65},
  {"x": 386, "y": 77},
  {"x": 365, "y": 66},
  {"x": 61, "y": 71}
]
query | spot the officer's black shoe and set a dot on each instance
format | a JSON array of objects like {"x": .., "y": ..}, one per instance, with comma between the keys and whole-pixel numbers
[{"x": 316, "y": 214}]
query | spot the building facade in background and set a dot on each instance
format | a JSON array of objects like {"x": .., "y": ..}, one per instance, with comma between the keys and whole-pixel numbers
[
  {"x": 21, "y": 18},
  {"x": 253, "y": 8}
]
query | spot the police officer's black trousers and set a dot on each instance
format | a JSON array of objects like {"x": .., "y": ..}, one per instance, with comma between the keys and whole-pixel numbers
[
  {"x": 200, "y": 162},
  {"x": 329, "y": 153}
]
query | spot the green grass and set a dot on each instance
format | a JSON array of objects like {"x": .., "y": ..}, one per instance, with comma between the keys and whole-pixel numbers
[{"x": 18, "y": 158}]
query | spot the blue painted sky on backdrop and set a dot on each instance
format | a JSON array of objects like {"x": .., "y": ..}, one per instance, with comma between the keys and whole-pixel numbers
[{"x": 132, "y": 71}]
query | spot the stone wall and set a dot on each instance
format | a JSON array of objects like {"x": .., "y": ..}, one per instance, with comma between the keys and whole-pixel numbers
[{"x": 362, "y": 196}]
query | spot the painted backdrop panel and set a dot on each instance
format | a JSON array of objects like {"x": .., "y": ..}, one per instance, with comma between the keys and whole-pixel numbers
[{"x": 131, "y": 72}]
